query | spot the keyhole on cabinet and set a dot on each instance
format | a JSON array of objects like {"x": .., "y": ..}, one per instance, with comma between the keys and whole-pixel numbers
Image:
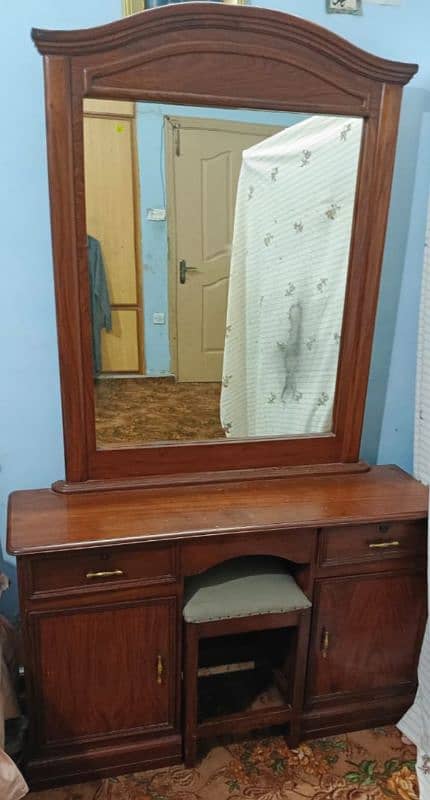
[{"x": 383, "y": 527}]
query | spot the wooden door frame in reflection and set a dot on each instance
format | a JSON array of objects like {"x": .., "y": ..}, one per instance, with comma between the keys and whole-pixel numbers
[{"x": 213, "y": 54}]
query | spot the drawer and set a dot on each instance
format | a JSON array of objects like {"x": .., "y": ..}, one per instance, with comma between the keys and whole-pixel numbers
[
  {"x": 353, "y": 544},
  {"x": 102, "y": 567},
  {"x": 297, "y": 545}
]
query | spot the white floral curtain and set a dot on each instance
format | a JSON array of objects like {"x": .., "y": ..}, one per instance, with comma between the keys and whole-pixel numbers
[
  {"x": 289, "y": 263},
  {"x": 416, "y": 722}
]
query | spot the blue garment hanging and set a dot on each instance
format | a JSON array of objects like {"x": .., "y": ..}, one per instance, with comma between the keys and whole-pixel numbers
[{"x": 101, "y": 315}]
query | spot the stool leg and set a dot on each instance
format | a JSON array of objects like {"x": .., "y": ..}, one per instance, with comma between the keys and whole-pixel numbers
[
  {"x": 191, "y": 664},
  {"x": 298, "y": 691}
]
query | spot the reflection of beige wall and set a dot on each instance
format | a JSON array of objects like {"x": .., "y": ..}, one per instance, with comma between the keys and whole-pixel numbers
[
  {"x": 204, "y": 161},
  {"x": 110, "y": 197}
]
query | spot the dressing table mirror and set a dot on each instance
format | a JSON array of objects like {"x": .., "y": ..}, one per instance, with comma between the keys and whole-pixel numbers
[
  {"x": 158, "y": 255},
  {"x": 220, "y": 180}
]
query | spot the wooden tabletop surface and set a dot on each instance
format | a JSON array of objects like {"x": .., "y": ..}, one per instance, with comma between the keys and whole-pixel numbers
[{"x": 43, "y": 520}]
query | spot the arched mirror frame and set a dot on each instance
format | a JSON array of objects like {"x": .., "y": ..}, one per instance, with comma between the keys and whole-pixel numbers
[{"x": 230, "y": 56}]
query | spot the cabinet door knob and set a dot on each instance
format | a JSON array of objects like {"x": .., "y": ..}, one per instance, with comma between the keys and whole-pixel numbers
[
  {"x": 105, "y": 573},
  {"x": 160, "y": 670},
  {"x": 325, "y": 641}
]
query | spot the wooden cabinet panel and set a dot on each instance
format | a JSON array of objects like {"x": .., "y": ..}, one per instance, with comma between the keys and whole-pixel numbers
[
  {"x": 110, "y": 201},
  {"x": 294, "y": 545},
  {"x": 366, "y": 635},
  {"x": 114, "y": 108},
  {"x": 105, "y": 671},
  {"x": 120, "y": 346},
  {"x": 354, "y": 544}
]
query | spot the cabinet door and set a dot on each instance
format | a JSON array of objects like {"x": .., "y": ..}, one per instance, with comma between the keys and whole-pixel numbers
[
  {"x": 110, "y": 202},
  {"x": 105, "y": 671},
  {"x": 120, "y": 346},
  {"x": 366, "y": 635}
]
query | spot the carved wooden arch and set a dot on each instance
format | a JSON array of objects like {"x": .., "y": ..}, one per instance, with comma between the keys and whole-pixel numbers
[{"x": 230, "y": 56}]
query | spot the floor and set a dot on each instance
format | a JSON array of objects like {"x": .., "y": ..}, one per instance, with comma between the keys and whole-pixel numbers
[
  {"x": 367, "y": 765},
  {"x": 135, "y": 410}
]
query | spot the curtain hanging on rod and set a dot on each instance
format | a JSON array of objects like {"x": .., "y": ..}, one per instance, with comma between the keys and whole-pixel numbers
[
  {"x": 416, "y": 722},
  {"x": 289, "y": 262}
]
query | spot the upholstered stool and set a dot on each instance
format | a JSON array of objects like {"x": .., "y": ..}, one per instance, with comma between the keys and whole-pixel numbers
[{"x": 241, "y": 596}]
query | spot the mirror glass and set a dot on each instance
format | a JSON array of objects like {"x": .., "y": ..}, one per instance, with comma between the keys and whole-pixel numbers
[{"x": 218, "y": 248}]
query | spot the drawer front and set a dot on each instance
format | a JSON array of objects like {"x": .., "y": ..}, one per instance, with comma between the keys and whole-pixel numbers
[
  {"x": 354, "y": 544},
  {"x": 203, "y": 553},
  {"x": 102, "y": 567}
]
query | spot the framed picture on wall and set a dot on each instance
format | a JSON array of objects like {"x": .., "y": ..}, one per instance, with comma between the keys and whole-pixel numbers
[
  {"x": 344, "y": 6},
  {"x": 133, "y": 6}
]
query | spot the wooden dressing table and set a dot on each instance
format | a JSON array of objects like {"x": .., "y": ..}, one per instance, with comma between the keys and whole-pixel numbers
[
  {"x": 102, "y": 556},
  {"x": 358, "y": 543}
]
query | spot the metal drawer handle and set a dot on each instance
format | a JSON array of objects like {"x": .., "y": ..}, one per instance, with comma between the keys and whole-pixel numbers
[
  {"x": 325, "y": 642},
  {"x": 107, "y": 574},
  {"x": 381, "y": 545},
  {"x": 160, "y": 670}
]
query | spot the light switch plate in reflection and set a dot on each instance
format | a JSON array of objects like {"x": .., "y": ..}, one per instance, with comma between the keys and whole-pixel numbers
[
  {"x": 156, "y": 214},
  {"x": 344, "y": 7}
]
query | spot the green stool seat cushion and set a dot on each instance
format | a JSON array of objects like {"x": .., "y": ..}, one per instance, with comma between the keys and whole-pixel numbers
[{"x": 242, "y": 587}]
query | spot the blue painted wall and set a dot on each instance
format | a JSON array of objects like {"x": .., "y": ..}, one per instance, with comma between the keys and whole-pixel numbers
[
  {"x": 31, "y": 444},
  {"x": 31, "y": 453},
  {"x": 150, "y": 146},
  {"x": 397, "y": 432},
  {"x": 397, "y": 32}
]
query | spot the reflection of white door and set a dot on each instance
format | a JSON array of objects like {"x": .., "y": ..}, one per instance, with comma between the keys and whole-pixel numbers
[{"x": 204, "y": 160}]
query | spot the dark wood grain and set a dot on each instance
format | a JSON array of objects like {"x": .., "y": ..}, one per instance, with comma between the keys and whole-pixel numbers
[
  {"x": 107, "y": 686},
  {"x": 42, "y": 520},
  {"x": 201, "y": 554},
  {"x": 320, "y": 525},
  {"x": 102, "y": 569},
  {"x": 374, "y": 626},
  {"x": 246, "y": 57},
  {"x": 372, "y": 543},
  {"x": 219, "y": 476},
  {"x": 277, "y": 26}
]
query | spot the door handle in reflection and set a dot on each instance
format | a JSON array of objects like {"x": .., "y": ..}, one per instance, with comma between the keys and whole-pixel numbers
[{"x": 183, "y": 269}]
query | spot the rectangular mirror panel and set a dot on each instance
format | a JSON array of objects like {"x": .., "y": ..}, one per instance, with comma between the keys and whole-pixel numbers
[{"x": 218, "y": 248}]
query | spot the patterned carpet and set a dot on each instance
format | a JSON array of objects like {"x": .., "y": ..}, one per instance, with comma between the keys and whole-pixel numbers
[
  {"x": 368, "y": 765},
  {"x": 133, "y": 410}
]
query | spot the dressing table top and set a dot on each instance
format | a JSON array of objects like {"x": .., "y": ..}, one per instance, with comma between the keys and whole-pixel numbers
[{"x": 43, "y": 520}]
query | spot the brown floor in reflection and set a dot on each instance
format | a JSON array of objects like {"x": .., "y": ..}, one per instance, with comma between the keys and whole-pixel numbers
[{"x": 132, "y": 410}]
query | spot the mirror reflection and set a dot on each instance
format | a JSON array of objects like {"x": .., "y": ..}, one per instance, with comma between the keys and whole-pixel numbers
[{"x": 218, "y": 247}]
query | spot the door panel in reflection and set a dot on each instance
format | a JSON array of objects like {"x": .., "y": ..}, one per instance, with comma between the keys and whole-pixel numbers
[{"x": 206, "y": 166}]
